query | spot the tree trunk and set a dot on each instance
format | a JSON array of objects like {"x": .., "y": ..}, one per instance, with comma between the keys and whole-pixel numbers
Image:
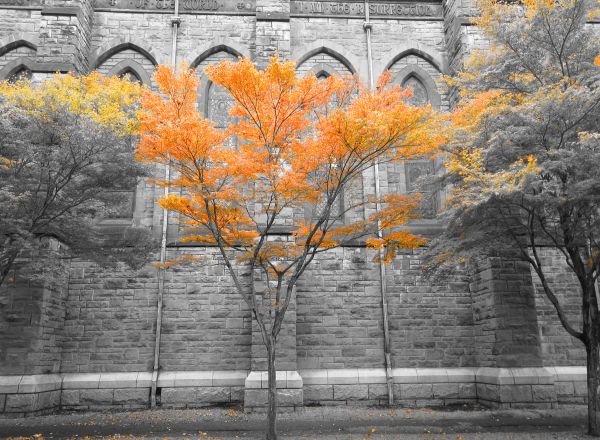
[
  {"x": 593, "y": 363},
  {"x": 272, "y": 414}
]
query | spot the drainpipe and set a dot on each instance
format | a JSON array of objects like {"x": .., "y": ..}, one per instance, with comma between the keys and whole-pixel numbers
[
  {"x": 175, "y": 22},
  {"x": 367, "y": 26}
]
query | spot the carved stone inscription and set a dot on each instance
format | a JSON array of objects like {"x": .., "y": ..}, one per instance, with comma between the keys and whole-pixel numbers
[
  {"x": 185, "y": 6},
  {"x": 357, "y": 9}
]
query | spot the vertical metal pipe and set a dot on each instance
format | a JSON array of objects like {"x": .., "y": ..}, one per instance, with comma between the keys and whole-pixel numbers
[
  {"x": 382, "y": 272},
  {"x": 175, "y": 21}
]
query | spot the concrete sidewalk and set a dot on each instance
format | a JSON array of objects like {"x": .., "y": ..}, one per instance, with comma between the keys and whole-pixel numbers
[{"x": 328, "y": 423}]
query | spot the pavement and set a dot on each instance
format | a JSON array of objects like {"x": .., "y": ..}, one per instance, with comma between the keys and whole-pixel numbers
[{"x": 317, "y": 423}]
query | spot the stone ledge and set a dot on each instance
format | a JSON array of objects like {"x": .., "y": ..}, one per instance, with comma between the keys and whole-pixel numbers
[
  {"x": 569, "y": 374},
  {"x": 175, "y": 379},
  {"x": 483, "y": 375},
  {"x": 283, "y": 379},
  {"x": 39, "y": 383}
]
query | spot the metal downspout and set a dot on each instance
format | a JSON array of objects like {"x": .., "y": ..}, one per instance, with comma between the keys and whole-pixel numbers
[
  {"x": 175, "y": 21},
  {"x": 367, "y": 26}
]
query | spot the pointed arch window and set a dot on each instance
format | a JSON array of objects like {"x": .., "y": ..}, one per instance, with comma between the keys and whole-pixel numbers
[
  {"x": 125, "y": 197},
  {"x": 420, "y": 95},
  {"x": 130, "y": 75},
  {"x": 337, "y": 209},
  {"x": 219, "y": 104},
  {"x": 21, "y": 74}
]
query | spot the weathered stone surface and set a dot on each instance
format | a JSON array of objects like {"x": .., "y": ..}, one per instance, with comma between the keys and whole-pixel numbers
[
  {"x": 48, "y": 400},
  {"x": 21, "y": 402},
  {"x": 69, "y": 398},
  {"x": 378, "y": 391},
  {"x": 350, "y": 392},
  {"x": 488, "y": 392},
  {"x": 183, "y": 396},
  {"x": 255, "y": 397},
  {"x": 467, "y": 391},
  {"x": 543, "y": 393},
  {"x": 416, "y": 391},
  {"x": 564, "y": 388},
  {"x": 96, "y": 397},
  {"x": 132, "y": 396},
  {"x": 515, "y": 393},
  {"x": 285, "y": 397},
  {"x": 290, "y": 397},
  {"x": 445, "y": 390},
  {"x": 316, "y": 393},
  {"x": 213, "y": 394}
]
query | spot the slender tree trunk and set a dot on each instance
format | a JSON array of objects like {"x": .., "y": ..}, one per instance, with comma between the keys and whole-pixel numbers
[
  {"x": 272, "y": 414},
  {"x": 593, "y": 364}
]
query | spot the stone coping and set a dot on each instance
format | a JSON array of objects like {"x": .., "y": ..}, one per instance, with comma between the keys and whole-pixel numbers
[
  {"x": 37, "y": 383},
  {"x": 487, "y": 375},
  {"x": 283, "y": 379}
]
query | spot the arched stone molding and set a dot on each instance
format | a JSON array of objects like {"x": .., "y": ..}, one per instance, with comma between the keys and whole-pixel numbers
[
  {"x": 425, "y": 79},
  {"x": 336, "y": 51},
  {"x": 134, "y": 66},
  {"x": 18, "y": 40},
  {"x": 16, "y": 65},
  {"x": 117, "y": 45},
  {"x": 428, "y": 53},
  {"x": 216, "y": 46},
  {"x": 205, "y": 83}
]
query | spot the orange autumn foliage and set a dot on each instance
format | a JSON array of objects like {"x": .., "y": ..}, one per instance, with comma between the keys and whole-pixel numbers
[{"x": 293, "y": 142}]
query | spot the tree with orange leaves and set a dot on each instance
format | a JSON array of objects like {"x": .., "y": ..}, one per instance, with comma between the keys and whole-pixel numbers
[{"x": 293, "y": 143}]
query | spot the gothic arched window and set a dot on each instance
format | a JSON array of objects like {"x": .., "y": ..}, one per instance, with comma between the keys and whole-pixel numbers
[
  {"x": 420, "y": 96},
  {"x": 219, "y": 104},
  {"x": 125, "y": 197},
  {"x": 131, "y": 75},
  {"x": 21, "y": 74}
]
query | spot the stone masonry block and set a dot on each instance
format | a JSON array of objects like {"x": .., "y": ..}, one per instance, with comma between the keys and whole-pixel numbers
[
  {"x": 416, "y": 391},
  {"x": 20, "y": 402},
  {"x": 290, "y": 397},
  {"x": 515, "y": 393},
  {"x": 96, "y": 397},
  {"x": 255, "y": 397},
  {"x": 350, "y": 392},
  {"x": 445, "y": 390},
  {"x": 564, "y": 388},
  {"x": 177, "y": 396},
  {"x": 132, "y": 396},
  {"x": 580, "y": 388},
  {"x": 543, "y": 393},
  {"x": 213, "y": 395},
  {"x": 467, "y": 391},
  {"x": 488, "y": 392},
  {"x": 378, "y": 391},
  {"x": 237, "y": 394},
  {"x": 316, "y": 393},
  {"x": 48, "y": 400},
  {"x": 69, "y": 398}
]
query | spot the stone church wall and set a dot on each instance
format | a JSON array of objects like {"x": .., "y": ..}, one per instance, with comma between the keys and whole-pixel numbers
[{"x": 87, "y": 339}]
